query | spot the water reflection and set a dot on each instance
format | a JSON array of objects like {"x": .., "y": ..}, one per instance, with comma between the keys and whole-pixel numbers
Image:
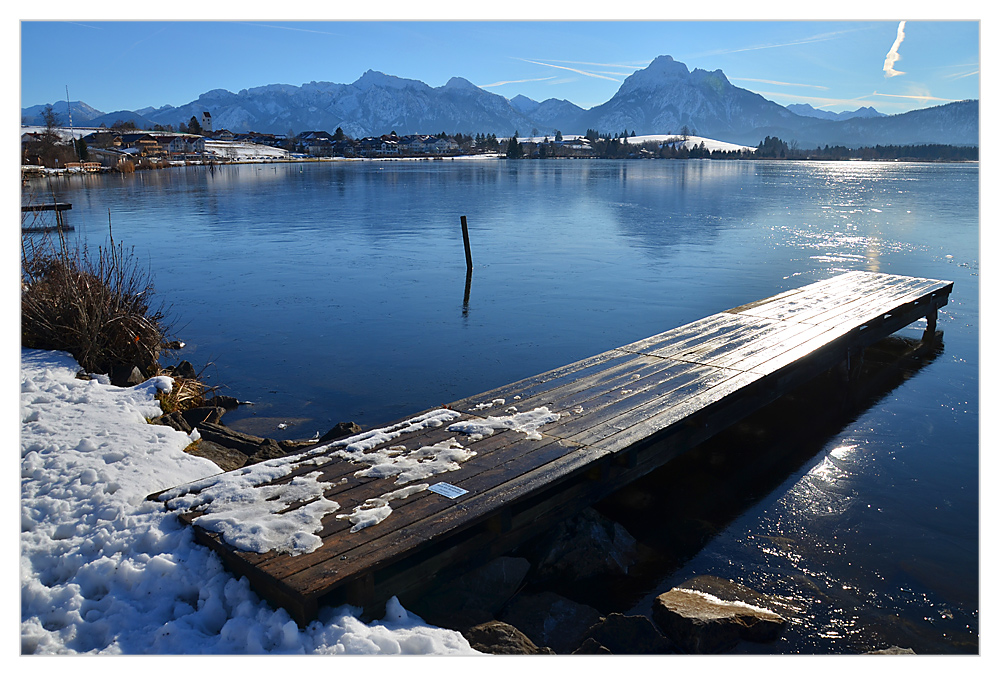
[{"x": 792, "y": 452}]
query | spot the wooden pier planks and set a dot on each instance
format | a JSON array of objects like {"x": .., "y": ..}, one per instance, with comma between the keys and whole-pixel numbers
[{"x": 622, "y": 413}]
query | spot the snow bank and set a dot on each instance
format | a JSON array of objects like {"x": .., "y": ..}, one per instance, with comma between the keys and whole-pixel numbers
[{"x": 102, "y": 570}]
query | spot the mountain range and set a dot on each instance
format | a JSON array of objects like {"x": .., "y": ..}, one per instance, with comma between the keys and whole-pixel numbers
[{"x": 662, "y": 98}]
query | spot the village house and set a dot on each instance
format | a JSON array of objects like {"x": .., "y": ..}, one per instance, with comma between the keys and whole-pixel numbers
[
  {"x": 145, "y": 143},
  {"x": 318, "y": 143},
  {"x": 378, "y": 147},
  {"x": 186, "y": 147}
]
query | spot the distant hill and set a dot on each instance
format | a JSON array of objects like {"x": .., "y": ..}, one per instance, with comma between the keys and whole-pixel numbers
[
  {"x": 109, "y": 119},
  {"x": 82, "y": 113},
  {"x": 806, "y": 110},
  {"x": 662, "y": 98}
]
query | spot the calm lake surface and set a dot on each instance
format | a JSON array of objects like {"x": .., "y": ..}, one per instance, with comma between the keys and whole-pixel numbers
[{"x": 336, "y": 291}]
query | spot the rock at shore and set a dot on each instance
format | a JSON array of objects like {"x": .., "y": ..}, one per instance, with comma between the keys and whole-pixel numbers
[
  {"x": 549, "y": 619},
  {"x": 700, "y": 622},
  {"x": 224, "y": 436},
  {"x": 628, "y": 635},
  {"x": 226, "y": 458},
  {"x": 582, "y": 547},
  {"x": 223, "y": 401},
  {"x": 475, "y": 597},
  {"x": 126, "y": 375},
  {"x": 592, "y": 647},
  {"x": 499, "y": 638},
  {"x": 203, "y": 414},
  {"x": 183, "y": 370},
  {"x": 339, "y": 431}
]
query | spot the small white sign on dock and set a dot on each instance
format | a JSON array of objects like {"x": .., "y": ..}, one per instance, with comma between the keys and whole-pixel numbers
[{"x": 447, "y": 490}]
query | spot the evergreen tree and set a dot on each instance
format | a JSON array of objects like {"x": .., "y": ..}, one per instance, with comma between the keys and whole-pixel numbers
[{"x": 514, "y": 149}]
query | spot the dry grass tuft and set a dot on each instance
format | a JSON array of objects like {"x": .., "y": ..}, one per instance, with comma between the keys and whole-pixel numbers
[
  {"x": 186, "y": 393},
  {"x": 96, "y": 308}
]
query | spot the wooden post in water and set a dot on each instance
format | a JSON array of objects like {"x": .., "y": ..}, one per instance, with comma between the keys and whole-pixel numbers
[
  {"x": 468, "y": 250},
  {"x": 468, "y": 290},
  {"x": 468, "y": 266}
]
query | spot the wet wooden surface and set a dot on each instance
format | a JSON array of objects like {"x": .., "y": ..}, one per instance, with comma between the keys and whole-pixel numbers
[{"x": 622, "y": 413}]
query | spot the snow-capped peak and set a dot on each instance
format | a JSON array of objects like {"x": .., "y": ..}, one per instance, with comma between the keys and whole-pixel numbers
[
  {"x": 374, "y": 78},
  {"x": 459, "y": 83}
]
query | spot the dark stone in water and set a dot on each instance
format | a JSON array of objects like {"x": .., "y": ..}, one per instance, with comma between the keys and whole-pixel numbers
[
  {"x": 223, "y": 401},
  {"x": 184, "y": 370},
  {"x": 339, "y": 431}
]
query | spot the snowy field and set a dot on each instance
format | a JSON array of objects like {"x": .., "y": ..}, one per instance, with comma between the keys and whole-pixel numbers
[
  {"x": 104, "y": 571},
  {"x": 691, "y": 142}
]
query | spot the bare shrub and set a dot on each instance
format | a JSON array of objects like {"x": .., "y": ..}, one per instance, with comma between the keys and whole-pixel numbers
[{"x": 97, "y": 308}]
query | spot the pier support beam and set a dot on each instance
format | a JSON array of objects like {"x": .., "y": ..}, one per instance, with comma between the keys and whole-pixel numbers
[{"x": 931, "y": 325}]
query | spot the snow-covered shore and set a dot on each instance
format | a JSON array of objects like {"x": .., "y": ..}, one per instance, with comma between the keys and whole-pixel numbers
[{"x": 102, "y": 570}]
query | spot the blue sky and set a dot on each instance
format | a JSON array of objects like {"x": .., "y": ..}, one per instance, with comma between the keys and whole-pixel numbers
[{"x": 833, "y": 65}]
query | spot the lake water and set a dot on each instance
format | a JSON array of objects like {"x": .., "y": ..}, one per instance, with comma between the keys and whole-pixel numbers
[{"x": 336, "y": 291}]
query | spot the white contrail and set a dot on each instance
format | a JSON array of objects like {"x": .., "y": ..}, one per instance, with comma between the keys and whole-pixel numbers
[
  {"x": 504, "y": 82},
  {"x": 893, "y": 56},
  {"x": 574, "y": 70}
]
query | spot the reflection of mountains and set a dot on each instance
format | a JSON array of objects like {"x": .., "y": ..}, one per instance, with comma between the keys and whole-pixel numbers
[
  {"x": 698, "y": 495},
  {"x": 663, "y": 205}
]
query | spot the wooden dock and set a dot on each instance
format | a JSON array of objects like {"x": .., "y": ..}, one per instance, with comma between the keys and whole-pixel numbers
[
  {"x": 57, "y": 207},
  {"x": 549, "y": 445}
]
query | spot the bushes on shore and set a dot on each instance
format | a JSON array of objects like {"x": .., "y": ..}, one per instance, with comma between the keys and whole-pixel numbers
[{"x": 97, "y": 308}]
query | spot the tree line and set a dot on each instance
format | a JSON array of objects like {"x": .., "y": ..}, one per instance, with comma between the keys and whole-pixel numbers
[
  {"x": 619, "y": 146},
  {"x": 775, "y": 148}
]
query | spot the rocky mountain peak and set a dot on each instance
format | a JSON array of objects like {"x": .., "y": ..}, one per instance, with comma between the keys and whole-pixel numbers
[
  {"x": 375, "y": 78},
  {"x": 460, "y": 83},
  {"x": 661, "y": 68}
]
